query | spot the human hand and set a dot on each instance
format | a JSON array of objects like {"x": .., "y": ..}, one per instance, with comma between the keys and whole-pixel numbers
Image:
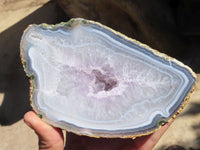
[{"x": 51, "y": 138}]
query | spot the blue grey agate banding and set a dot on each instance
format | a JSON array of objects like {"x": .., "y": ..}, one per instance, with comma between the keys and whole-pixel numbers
[{"x": 91, "y": 80}]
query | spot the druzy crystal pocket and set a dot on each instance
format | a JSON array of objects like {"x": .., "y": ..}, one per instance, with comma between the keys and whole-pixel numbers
[{"x": 91, "y": 80}]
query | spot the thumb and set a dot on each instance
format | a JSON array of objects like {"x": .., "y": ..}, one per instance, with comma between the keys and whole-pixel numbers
[{"x": 50, "y": 138}]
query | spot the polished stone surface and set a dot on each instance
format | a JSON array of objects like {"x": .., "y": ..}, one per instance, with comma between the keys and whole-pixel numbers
[{"x": 103, "y": 80}]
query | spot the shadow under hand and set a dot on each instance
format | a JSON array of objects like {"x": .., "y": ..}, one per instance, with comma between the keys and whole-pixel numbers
[
  {"x": 13, "y": 81},
  {"x": 75, "y": 142}
]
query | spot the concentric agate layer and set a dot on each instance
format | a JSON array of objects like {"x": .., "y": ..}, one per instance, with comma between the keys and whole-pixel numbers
[{"x": 91, "y": 80}]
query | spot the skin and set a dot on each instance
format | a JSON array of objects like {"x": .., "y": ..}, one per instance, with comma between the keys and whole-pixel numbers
[{"x": 51, "y": 138}]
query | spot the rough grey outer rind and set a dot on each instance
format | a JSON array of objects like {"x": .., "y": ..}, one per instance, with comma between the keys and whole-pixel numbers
[{"x": 157, "y": 121}]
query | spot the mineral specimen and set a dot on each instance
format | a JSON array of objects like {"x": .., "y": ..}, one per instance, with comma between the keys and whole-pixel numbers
[{"x": 91, "y": 80}]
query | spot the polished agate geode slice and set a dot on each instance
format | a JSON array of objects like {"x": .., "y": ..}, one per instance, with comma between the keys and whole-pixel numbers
[{"x": 91, "y": 80}]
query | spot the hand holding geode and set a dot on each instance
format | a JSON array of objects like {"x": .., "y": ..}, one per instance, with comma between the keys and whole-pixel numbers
[{"x": 90, "y": 80}]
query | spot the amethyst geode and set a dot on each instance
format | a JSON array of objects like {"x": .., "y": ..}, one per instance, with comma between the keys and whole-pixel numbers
[{"x": 91, "y": 80}]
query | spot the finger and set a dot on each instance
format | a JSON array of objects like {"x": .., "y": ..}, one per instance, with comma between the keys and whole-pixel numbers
[
  {"x": 49, "y": 137},
  {"x": 149, "y": 141}
]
